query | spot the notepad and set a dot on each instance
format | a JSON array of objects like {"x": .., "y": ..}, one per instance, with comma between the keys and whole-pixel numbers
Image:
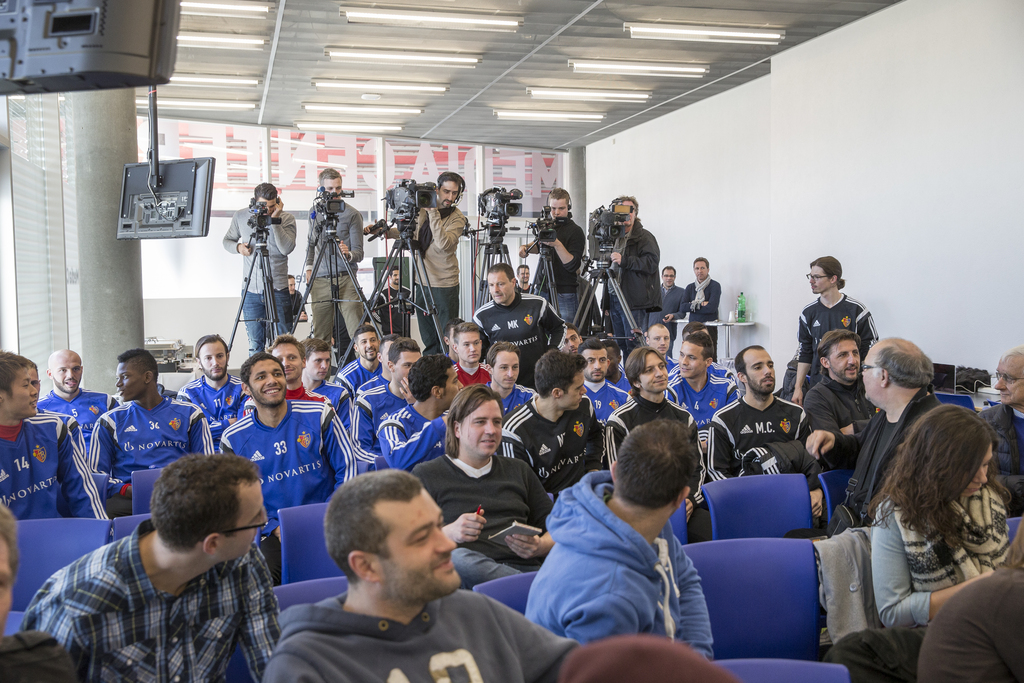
[{"x": 516, "y": 528}]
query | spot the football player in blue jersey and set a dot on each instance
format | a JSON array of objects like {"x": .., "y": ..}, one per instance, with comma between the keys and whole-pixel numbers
[
  {"x": 416, "y": 433},
  {"x": 216, "y": 392},
  {"x": 385, "y": 375},
  {"x": 659, "y": 338},
  {"x": 314, "y": 379},
  {"x": 38, "y": 453},
  {"x": 503, "y": 361},
  {"x": 716, "y": 368},
  {"x": 68, "y": 397},
  {"x": 147, "y": 431},
  {"x": 605, "y": 396},
  {"x": 301, "y": 448},
  {"x": 368, "y": 363},
  {"x": 696, "y": 387},
  {"x": 377, "y": 403},
  {"x": 615, "y": 373},
  {"x": 572, "y": 341}
]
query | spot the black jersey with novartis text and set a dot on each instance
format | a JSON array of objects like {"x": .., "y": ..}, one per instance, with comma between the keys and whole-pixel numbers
[
  {"x": 738, "y": 427},
  {"x": 816, "y": 319},
  {"x": 529, "y": 322},
  {"x": 559, "y": 452}
]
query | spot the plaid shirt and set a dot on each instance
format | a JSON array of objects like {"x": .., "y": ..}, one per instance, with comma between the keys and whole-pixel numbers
[{"x": 106, "y": 613}]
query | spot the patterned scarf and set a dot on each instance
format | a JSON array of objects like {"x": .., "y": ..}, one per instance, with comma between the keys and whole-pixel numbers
[
  {"x": 934, "y": 565},
  {"x": 698, "y": 299}
]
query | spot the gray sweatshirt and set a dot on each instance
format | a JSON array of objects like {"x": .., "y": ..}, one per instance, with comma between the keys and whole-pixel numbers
[
  {"x": 464, "y": 636},
  {"x": 280, "y": 243},
  {"x": 350, "y": 231}
]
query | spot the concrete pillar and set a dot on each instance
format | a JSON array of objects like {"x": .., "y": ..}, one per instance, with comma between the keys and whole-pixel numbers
[
  {"x": 578, "y": 184},
  {"x": 105, "y": 139}
]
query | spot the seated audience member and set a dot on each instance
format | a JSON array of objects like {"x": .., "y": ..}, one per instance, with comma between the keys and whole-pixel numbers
[
  {"x": 416, "y": 433},
  {"x": 557, "y": 432},
  {"x": 449, "y": 338},
  {"x": 696, "y": 387},
  {"x": 376, "y": 380},
  {"x": 295, "y": 299},
  {"x": 369, "y": 361},
  {"x": 314, "y": 379},
  {"x": 659, "y": 339},
  {"x": 897, "y": 376},
  {"x": 605, "y": 396},
  {"x": 647, "y": 372},
  {"x": 716, "y": 367},
  {"x": 503, "y": 360},
  {"x": 572, "y": 341},
  {"x": 761, "y": 434},
  {"x": 69, "y": 398},
  {"x": 939, "y": 525},
  {"x": 38, "y": 450},
  {"x": 403, "y": 617},
  {"x": 379, "y": 402},
  {"x": 1007, "y": 419},
  {"x": 468, "y": 347},
  {"x": 616, "y": 373},
  {"x": 28, "y": 656},
  {"x": 146, "y": 431},
  {"x": 640, "y": 658},
  {"x": 388, "y": 312},
  {"x": 616, "y": 567},
  {"x": 481, "y": 494},
  {"x": 837, "y": 403},
  {"x": 976, "y": 636},
  {"x": 292, "y": 355},
  {"x": 300, "y": 447},
  {"x": 216, "y": 392},
  {"x": 175, "y": 598}
]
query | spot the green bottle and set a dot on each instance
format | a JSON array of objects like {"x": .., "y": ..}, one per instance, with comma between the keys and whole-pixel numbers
[{"x": 741, "y": 308}]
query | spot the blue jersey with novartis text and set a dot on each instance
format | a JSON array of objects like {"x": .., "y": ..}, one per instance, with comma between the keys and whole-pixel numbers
[
  {"x": 43, "y": 457},
  {"x": 340, "y": 398},
  {"x": 717, "y": 393},
  {"x": 130, "y": 438},
  {"x": 606, "y": 399},
  {"x": 86, "y": 408},
  {"x": 301, "y": 460},
  {"x": 220, "y": 406},
  {"x": 407, "y": 439},
  {"x": 354, "y": 375},
  {"x": 373, "y": 406},
  {"x": 519, "y": 395}
]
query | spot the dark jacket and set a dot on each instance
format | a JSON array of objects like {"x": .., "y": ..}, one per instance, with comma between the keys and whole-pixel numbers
[
  {"x": 669, "y": 304},
  {"x": 575, "y": 242},
  {"x": 1001, "y": 419},
  {"x": 832, "y": 405},
  {"x": 867, "y": 457},
  {"x": 638, "y": 272},
  {"x": 713, "y": 295}
]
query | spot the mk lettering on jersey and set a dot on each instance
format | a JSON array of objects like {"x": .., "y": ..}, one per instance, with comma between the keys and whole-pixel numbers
[
  {"x": 27, "y": 491},
  {"x": 512, "y": 324},
  {"x": 293, "y": 472}
]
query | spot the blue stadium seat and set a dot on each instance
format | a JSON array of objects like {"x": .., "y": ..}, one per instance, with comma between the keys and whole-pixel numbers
[
  {"x": 46, "y": 545},
  {"x": 762, "y": 596},
  {"x": 678, "y": 522},
  {"x": 362, "y": 467},
  {"x": 511, "y": 591},
  {"x": 380, "y": 463},
  {"x": 784, "y": 671},
  {"x": 13, "y": 623},
  {"x": 962, "y": 400},
  {"x": 142, "y": 489},
  {"x": 760, "y": 506},
  {"x": 303, "y": 549},
  {"x": 1014, "y": 524},
  {"x": 125, "y": 526},
  {"x": 308, "y": 592},
  {"x": 834, "y": 483}
]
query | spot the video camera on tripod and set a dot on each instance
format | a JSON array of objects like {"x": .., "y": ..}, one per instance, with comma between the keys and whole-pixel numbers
[
  {"x": 261, "y": 219},
  {"x": 544, "y": 227},
  {"x": 496, "y": 206},
  {"x": 404, "y": 201},
  {"x": 609, "y": 225},
  {"x": 330, "y": 204}
]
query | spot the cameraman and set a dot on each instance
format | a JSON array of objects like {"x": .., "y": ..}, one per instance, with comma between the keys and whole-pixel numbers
[
  {"x": 350, "y": 244},
  {"x": 636, "y": 258},
  {"x": 280, "y": 243},
  {"x": 438, "y": 231},
  {"x": 569, "y": 245}
]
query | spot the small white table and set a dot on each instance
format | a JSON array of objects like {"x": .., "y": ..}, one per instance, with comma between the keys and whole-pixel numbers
[{"x": 727, "y": 326}]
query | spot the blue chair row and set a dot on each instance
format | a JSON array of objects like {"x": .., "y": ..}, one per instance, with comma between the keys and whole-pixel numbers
[
  {"x": 46, "y": 545},
  {"x": 784, "y": 671},
  {"x": 758, "y": 506},
  {"x": 962, "y": 400},
  {"x": 98, "y": 478},
  {"x": 834, "y": 483}
]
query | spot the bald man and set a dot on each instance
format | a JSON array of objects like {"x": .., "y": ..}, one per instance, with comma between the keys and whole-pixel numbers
[{"x": 69, "y": 398}]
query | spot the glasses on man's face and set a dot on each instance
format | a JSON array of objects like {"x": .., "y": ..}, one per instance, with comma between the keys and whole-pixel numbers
[
  {"x": 1006, "y": 378},
  {"x": 814, "y": 278},
  {"x": 262, "y": 524},
  {"x": 864, "y": 367}
]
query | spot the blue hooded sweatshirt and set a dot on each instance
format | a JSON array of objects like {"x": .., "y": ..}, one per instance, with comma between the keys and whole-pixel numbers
[{"x": 603, "y": 578}]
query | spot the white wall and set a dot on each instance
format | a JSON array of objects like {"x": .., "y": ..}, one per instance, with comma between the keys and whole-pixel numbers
[{"x": 893, "y": 144}]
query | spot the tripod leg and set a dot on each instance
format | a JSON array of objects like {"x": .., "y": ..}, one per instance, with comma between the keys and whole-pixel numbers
[
  {"x": 634, "y": 334},
  {"x": 309, "y": 287},
  {"x": 420, "y": 270},
  {"x": 241, "y": 304}
]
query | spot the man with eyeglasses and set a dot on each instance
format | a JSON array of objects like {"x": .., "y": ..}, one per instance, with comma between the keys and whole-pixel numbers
[
  {"x": 831, "y": 311},
  {"x": 171, "y": 601},
  {"x": 1007, "y": 419}
]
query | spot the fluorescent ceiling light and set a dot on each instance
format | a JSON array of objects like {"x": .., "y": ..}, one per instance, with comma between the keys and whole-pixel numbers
[
  {"x": 254, "y": 7},
  {"x": 161, "y": 103},
  {"x": 546, "y": 115},
  {"x": 222, "y": 41},
  {"x": 446, "y": 59},
  {"x": 211, "y": 148},
  {"x": 346, "y": 127},
  {"x": 479, "y": 22},
  {"x": 674, "y": 70},
  {"x": 213, "y": 81},
  {"x": 359, "y": 109},
  {"x": 301, "y": 143},
  {"x": 589, "y": 95},
  {"x": 705, "y": 34},
  {"x": 377, "y": 86}
]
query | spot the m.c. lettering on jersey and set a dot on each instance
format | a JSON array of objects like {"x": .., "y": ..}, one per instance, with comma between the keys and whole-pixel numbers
[
  {"x": 763, "y": 428},
  {"x": 27, "y": 491},
  {"x": 293, "y": 472}
]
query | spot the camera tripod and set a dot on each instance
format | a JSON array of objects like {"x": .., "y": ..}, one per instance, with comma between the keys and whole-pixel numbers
[
  {"x": 544, "y": 278},
  {"x": 597, "y": 274},
  {"x": 328, "y": 246},
  {"x": 260, "y": 264},
  {"x": 495, "y": 251}
]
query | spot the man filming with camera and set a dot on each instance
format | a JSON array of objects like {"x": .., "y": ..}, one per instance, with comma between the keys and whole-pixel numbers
[
  {"x": 636, "y": 256},
  {"x": 350, "y": 244},
  {"x": 569, "y": 245},
  {"x": 264, "y": 214}
]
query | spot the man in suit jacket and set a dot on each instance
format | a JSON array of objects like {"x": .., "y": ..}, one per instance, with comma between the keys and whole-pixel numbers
[{"x": 671, "y": 297}]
